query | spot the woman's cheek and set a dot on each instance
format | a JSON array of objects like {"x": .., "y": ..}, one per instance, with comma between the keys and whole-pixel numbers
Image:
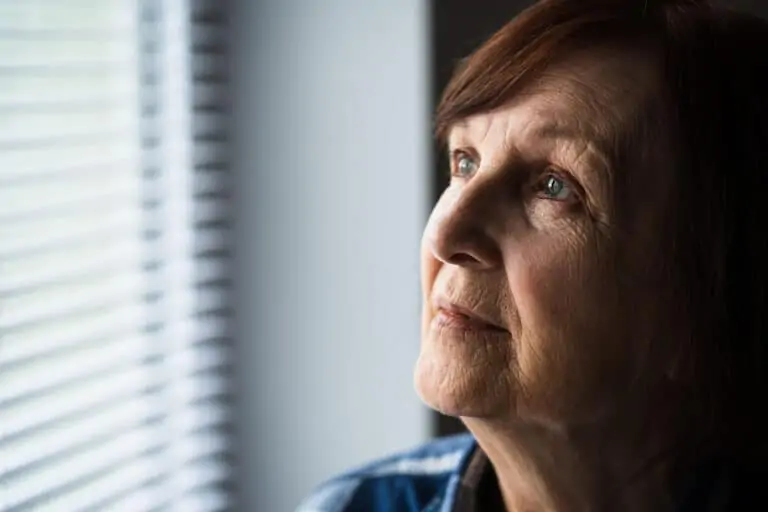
[
  {"x": 538, "y": 279},
  {"x": 547, "y": 278},
  {"x": 548, "y": 259},
  {"x": 548, "y": 214}
]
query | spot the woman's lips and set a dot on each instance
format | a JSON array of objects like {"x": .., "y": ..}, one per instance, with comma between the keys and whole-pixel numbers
[{"x": 457, "y": 318}]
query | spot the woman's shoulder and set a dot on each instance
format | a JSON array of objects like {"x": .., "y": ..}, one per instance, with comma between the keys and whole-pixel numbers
[{"x": 419, "y": 479}]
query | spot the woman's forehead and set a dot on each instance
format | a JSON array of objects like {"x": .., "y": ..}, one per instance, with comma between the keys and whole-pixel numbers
[{"x": 589, "y": 95}]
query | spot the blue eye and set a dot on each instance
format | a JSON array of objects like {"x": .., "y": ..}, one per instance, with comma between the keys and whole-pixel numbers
[
  {"x": 465, "y": 166},
  {"x": 555, "y": 188}
]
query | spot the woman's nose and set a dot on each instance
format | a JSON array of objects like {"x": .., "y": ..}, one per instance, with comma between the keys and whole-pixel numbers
[{"x": 462, "y": 231}]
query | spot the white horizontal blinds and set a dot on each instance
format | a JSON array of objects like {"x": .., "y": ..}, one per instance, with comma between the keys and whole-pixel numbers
[
  {"x": 191, "y": 388},
  {"x": 111, "y": 390},
  {"x": 213, "y": 231},
  {"x": 74, "y": 410}
]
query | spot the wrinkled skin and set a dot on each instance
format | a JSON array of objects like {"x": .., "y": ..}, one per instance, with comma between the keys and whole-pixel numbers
[{"x": 543, "y": 233}]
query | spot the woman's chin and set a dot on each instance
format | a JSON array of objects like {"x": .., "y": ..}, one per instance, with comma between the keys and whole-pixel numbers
[{"x": 454, "y": 388}]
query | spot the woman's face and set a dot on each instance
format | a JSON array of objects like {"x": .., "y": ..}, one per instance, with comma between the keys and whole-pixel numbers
[{"x": 541, "y": 262}]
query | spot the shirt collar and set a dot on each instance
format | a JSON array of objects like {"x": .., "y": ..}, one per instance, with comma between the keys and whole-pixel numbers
[
  {"x": 477, "y": 485},
  {"x": 478, "y": 489}
]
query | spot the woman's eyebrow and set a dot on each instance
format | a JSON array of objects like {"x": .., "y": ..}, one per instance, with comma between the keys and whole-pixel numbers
[
  {"x": 567, "y": 131},
  {"x": 596, "y": 146},
  {"x": 459, "y": 135}
]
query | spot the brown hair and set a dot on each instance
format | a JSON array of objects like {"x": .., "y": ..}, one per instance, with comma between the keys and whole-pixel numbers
[{"x": 715, "y": 74}]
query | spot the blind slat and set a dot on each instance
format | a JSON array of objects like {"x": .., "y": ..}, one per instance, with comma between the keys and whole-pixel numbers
[
  {"x": 38, "y": 91},
  {"x": 127, "y": 488},
  {"x": 46, "y": 480},
  {"x": 44, "y": 375},
  {"x": 46, "y": 124},
  {"x": 204, "y": 416},
  {"x": 69, "y": 16},
  {"x": 210, "y": 153},
  {"x": 209, "y": 124},
  {"x": 20, "y": 239},
  {"x": 28, "y": 163},
  {"x": 208, "y": 210},
  {"x": 49, "y": 176},
  {"x": 208, "y": 95},
  {"x": 30, "y": 201},
  {"x": 43, "y": 338},
  {"x": 44, "y": 137},
  {"x": 54, "y": 52},
  {"x": 78, "y": 398},
  {"x": 210, "y": 182},
  {"x": 71, "y": 436},
  {"x": 201, "y": 475},
  {"x": 70, "y": 299}
]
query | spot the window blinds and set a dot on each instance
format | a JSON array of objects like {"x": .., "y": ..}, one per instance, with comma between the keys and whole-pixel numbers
[{"x": 113, "y": 257}]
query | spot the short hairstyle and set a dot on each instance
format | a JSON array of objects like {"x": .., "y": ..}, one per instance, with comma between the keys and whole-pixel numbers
[{"x": 714, "y": 65}]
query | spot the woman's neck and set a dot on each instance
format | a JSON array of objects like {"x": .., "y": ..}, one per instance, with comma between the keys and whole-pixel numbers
[{"x": 545, "y": 468}]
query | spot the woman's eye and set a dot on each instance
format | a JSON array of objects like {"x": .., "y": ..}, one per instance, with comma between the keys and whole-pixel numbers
[
  {"x": 465, "y": 166},
  {"x": 555, "y": 188}
]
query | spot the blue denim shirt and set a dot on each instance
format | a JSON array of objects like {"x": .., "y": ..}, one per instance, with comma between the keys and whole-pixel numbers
[
  {"x": 426, "y": 479},
  {"x": 451, "y": 475}
]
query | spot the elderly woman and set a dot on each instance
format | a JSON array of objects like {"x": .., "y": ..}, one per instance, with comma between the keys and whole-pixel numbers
[{"x": 595, "y": 276}]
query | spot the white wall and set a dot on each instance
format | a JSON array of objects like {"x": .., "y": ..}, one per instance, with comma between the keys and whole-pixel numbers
[{"x": 331, "y": 164}]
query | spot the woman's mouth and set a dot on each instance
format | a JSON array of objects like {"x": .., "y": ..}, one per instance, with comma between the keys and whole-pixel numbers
[{"x": 455, "y": 317}]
